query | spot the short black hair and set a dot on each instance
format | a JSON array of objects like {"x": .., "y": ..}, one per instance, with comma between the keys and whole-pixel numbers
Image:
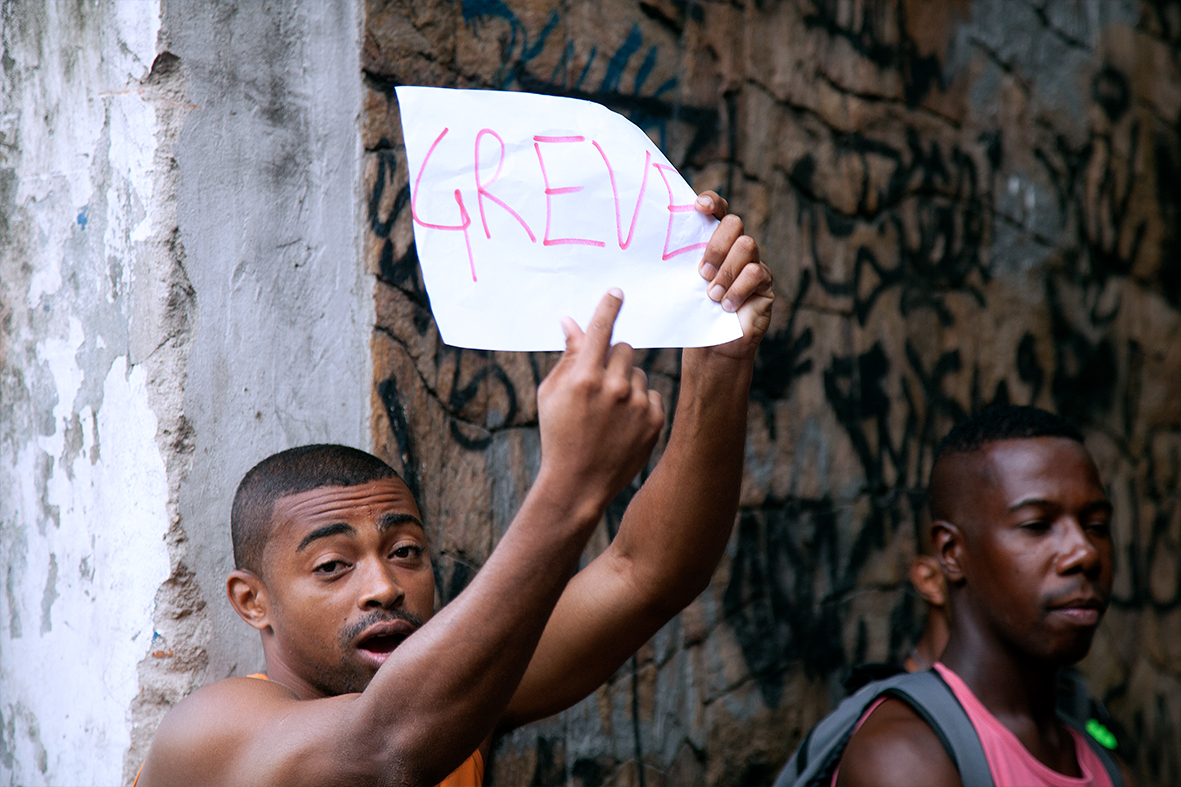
[
  {"x": 1004, "y": 422},
  {"x": 289, "y": 473}
]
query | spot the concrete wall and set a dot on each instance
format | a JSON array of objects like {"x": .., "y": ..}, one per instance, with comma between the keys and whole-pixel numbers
[
  {"x": 963, "y": 202},
  {"x": 181, "y": 296}
]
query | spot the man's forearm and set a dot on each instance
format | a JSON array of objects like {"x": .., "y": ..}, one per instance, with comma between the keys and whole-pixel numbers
[
  {"x": 677, "y": 526},
  {"x": 463, "y": 668},
  {"x": 598, "y": 425}
]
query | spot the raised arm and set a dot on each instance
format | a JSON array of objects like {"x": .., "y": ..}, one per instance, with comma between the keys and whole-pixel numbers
[
  {"x": 438, "y": 695},
  {"x": 676, "y": 527}
]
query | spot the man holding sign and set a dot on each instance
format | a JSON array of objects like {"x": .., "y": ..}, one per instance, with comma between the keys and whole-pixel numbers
[
  {"x": 333, "y": 570},
  {"x": 525, "y": 208}
]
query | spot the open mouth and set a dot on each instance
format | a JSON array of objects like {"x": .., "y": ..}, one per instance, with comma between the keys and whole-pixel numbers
[{"x": 382, "y": 644}]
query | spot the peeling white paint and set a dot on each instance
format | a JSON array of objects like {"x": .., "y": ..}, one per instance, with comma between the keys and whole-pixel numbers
[
  {"x": 84, "y": 503},
  {"x": 78, "y": 678},
  {"x": 126, "y": 405}
]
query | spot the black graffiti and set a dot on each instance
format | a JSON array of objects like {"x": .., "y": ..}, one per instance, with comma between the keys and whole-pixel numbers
[
  {"x": 463, "y": 431},
  {"x": 918, "y": 228},
  {"x": 878, "y": 32},
  {"x": 781, "y": 360},
  {"x": 404, "y": 438},
  {"x": 771, "y": 600},
  {"x": 1110, "y": 233},
  {"x": 650, "y": 108},
  {"x": 941, "y": 251}
]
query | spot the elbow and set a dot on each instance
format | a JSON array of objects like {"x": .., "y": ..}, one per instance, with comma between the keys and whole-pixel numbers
[{"x": 668, "y": 599}]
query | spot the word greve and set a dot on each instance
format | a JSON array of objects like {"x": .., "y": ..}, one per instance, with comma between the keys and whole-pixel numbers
[
  {"x": 527, "y": 208},
  {"x": 483, "y": 192}
]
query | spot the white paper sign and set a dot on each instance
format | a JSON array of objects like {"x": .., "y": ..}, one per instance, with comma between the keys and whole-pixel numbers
[{"x": 528, "y": 208}]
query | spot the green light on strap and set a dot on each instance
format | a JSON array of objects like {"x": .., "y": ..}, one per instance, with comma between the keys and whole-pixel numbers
[{"x": 1100, "y": 733}]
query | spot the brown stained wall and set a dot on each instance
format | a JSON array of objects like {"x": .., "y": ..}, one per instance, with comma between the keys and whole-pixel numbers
[{"x": 962, "y": 203}]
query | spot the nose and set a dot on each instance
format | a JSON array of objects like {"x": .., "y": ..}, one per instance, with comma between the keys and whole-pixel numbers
[
  {"x": 380, "y": 587},
  {"x": 1077, "y": 553}
]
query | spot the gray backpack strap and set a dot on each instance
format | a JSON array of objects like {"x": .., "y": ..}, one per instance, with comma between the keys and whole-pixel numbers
[
  {"x": 1105, "y": 756},
  {"x": 817, "y": 758},
  {"x": 934, "y": 700}
]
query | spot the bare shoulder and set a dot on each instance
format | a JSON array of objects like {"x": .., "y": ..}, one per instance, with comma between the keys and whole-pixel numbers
[
  {"x": 199, "y": 740},
  {"x": 895, "y": 747}
]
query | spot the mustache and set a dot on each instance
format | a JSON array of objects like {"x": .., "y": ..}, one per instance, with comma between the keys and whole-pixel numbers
[
  {"x": 1056, "y": 598},
  {"x": 353, "y": 630}
]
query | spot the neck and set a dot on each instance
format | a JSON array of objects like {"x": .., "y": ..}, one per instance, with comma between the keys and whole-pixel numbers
[
  {"x": 1015, "y": 688},
  {"x": 279, "y": 672},
  {"x": 922, "y": 657}
]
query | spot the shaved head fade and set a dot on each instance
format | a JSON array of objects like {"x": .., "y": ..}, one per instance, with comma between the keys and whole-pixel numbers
[
  {"x": 1004, "y": 422},
  {"x": 977, "y": 431},
  {"x": 289, "y": 473}
]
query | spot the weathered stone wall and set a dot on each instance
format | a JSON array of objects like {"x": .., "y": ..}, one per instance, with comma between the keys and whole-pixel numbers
[
  {"x": 95, "y": 315},
  {"x": 181, "y": 294},
  {"x": 963, "y": 203}
]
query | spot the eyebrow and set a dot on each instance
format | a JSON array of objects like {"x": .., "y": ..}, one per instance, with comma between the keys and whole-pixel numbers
[
  {"x": 1030, "y": 502},
  {"x": 323, "y": 532},
  {"x": 1038, "y": 502},
  {"x": 386, "y": 521}
]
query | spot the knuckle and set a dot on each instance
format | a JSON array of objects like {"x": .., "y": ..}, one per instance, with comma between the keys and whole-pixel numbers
[
  {"x": 733, "y": 223},
  {"x": 746, "y": 245},
  {"x": 585, "y": 383},
  {"x": 656, "y": 415},
  {"x": 618, "y": 389},
  {"x": 715, "y": 249}
]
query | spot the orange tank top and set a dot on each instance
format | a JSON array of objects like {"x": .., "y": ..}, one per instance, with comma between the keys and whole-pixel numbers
[{"x": 469, "y": 774}]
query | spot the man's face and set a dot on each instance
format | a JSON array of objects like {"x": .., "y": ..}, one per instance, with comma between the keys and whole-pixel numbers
[
  {"x": 1038, "y": 556},
  {"x": 348, "y": 576}
]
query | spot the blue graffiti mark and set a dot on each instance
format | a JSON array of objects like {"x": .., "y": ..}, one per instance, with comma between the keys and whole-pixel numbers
[
  {"x": 645, "y": 70},
  {"x": 589, "y": 61},
  {"x": 652, "y": 113},
  {"x": 82, "y": 216},
  {"x": 475, "y": 10},
  {"x": 619, "y": 60},
  {"x": 563, "y": 64},
  {"x": 529, "y": 53}
]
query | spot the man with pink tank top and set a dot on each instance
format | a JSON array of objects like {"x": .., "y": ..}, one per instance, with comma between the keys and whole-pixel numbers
[{"x": 1022, "y": 530}]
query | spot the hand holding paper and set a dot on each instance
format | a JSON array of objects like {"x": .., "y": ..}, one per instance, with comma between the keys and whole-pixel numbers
[
  {"x": 528, "y": 208},
  {"x": 737, "y": 278}
]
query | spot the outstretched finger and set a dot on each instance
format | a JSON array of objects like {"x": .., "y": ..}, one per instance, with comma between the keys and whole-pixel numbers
[{"x": 597, "y": 340}]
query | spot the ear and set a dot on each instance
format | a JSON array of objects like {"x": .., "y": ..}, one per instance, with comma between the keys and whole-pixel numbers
[
  {"x": 248, "y": 596},
  {"x": 947, "y": 541},
  {"x": 927, "y": 577}
]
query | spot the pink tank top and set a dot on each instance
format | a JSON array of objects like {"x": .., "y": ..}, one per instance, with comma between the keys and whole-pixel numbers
[{"x": 1010, "y": 762}]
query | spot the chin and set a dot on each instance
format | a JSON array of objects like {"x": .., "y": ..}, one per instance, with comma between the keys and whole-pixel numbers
[{"x": 1070, "y": 651}]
